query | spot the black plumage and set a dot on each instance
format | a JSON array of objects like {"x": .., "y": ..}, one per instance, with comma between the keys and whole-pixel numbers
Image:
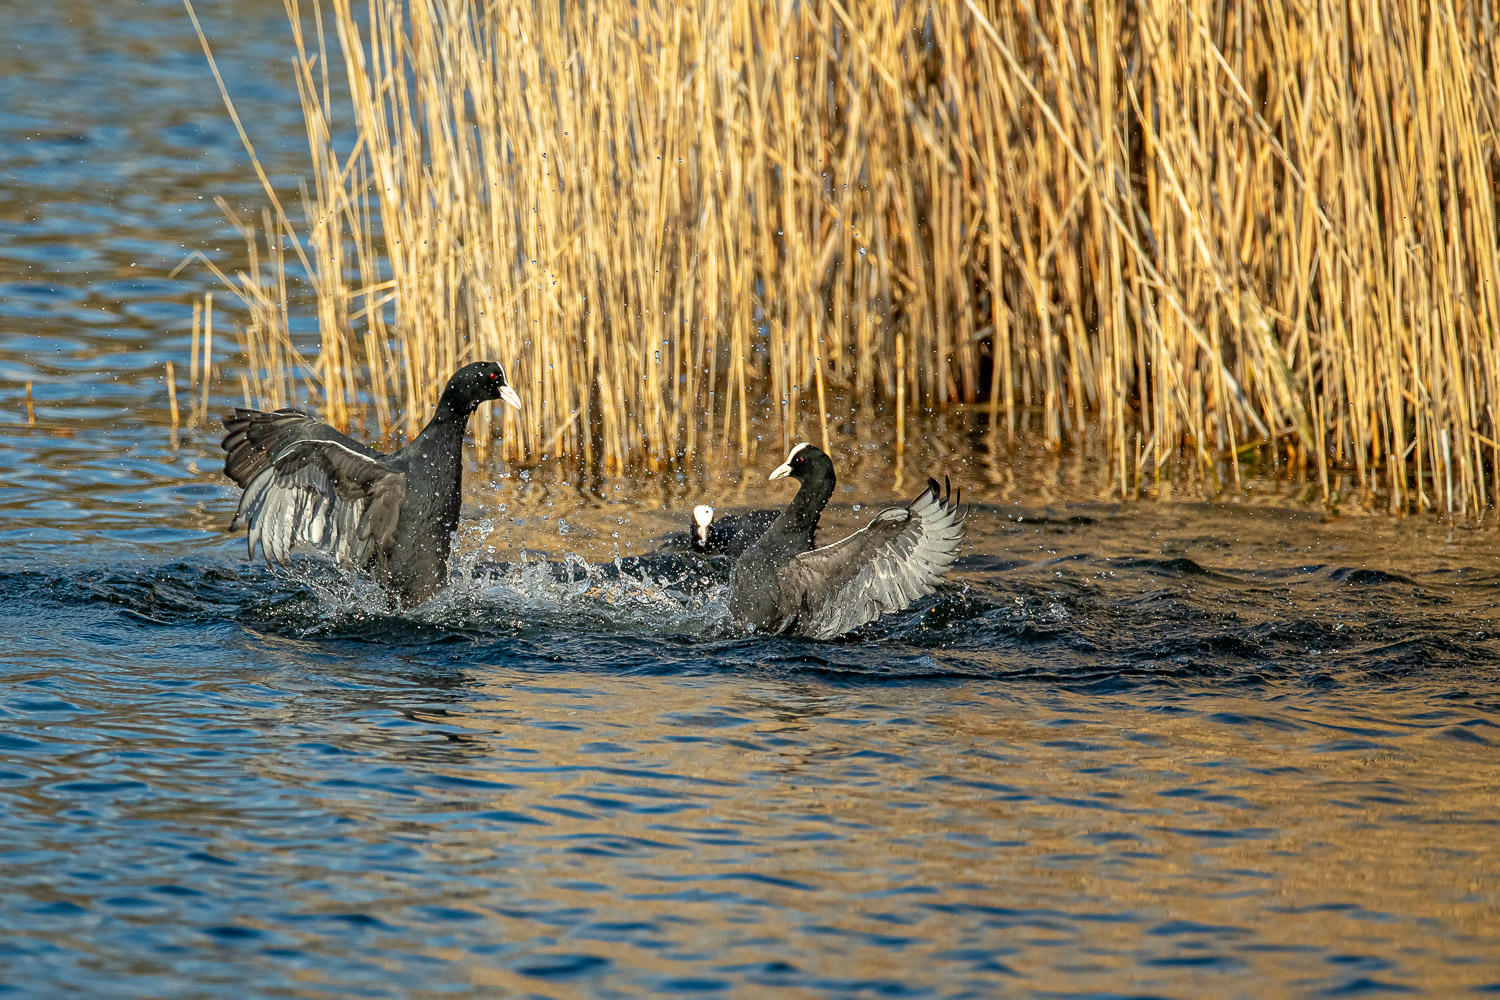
[
  {"x": 899, "y": 557},
  {"x": 392, "y": 515},
  {"x": 731, "y": 534}
]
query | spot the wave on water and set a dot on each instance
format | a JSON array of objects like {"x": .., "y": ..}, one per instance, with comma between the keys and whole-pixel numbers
[
  {"x": 1057, "y": 616},
  {"x": 669, "y": 594},
  {"x": 664, "y": 595}
]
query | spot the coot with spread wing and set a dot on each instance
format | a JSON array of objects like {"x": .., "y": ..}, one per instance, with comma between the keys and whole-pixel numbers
[
  {"x": 778, "y": 585},
  {"x": 392, "y": 515}
]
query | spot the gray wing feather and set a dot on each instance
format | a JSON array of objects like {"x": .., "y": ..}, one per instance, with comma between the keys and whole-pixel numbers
[
  {"x": 898, "y": 558},
  {"x": 255, "y": 438},
  {"x": 325, "y": 496}
]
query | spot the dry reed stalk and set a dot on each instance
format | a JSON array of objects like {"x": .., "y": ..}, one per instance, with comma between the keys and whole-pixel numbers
[
  {"x": 172, "y": 393},
  {"x": 207, "y": 365},
  {"x": 1207, "y": 228}
]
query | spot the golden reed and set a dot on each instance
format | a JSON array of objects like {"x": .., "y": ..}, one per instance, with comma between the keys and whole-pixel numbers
[{"x": 1203, "y": 228}]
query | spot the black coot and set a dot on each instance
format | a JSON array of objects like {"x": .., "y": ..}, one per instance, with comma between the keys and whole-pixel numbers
[
  {"x": 731, "y": 534},
  {"x": 778, "y": 585},
  {"x": 394, "y": 515}
]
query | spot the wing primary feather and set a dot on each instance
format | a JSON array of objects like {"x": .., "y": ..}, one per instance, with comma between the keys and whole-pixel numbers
[
  {"x": 323, "y": 491},
  {"x": 899, "y": 557}
]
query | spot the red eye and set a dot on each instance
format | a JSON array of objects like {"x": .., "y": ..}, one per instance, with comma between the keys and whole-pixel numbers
[{"x": 492, "y": 377}]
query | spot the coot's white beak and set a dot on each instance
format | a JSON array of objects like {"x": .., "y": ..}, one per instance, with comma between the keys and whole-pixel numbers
[
  {"x": 703, "y": 516},
  {"x": 509, "y": 395}
]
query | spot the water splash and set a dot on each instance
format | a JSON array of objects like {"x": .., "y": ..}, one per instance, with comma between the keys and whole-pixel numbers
[
  {"x": 664, "y": 595},
  {"x": 659, "y": 595}
]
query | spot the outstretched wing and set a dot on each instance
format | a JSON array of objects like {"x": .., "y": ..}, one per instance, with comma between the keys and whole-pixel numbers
[
  {"x": 326, "y": 495},
  {"x": 898, "y": 557},
  {"x": 255, "y": 437}
]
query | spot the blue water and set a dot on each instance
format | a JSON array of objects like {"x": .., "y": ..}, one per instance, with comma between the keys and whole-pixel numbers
[{"x": 1167, "y": 748}]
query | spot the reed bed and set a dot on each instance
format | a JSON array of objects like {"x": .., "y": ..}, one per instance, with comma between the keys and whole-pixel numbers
[{"x": 1201, "y": 228}]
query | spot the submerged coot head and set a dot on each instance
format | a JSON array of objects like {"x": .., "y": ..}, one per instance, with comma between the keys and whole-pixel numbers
[
  {"x": 802, "y": 461},
  {"x": 703, "y": 516},
  {"x": 482, "y": 381}
]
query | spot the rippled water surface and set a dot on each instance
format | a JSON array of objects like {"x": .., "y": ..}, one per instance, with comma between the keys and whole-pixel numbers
[{"x": 1170, "y": 749}]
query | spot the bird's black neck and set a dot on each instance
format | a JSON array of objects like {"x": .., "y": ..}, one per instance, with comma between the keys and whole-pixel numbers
[
  {"x": 454, "y": 409},
  {"x": 438, "y": 449},
  {"x": 796, "y": 523}
]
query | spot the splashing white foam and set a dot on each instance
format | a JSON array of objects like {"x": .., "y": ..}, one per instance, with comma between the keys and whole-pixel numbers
[
  {"x": 672, "y": 596},
  {"x": 623, "y": 596}
]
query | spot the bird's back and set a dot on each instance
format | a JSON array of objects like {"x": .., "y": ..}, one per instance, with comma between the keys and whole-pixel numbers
[
  {"x": 736, "y": 534},
  {"x": 755, "y": 584}
]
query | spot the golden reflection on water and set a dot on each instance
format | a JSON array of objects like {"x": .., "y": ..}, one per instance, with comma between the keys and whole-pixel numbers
[{"x": 1076, "y": 830}]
